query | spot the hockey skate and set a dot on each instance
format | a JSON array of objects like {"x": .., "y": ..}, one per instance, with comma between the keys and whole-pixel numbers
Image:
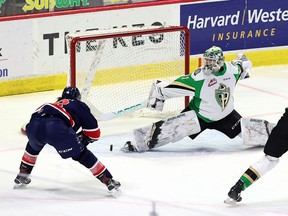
[
  {"x": 128, "y": 147},
  {"x": 234, "y": 194},
  {"x": 21, "y": 181},
  {"x": 111, "y": 184},
  {"x": 113, "y": 187}
]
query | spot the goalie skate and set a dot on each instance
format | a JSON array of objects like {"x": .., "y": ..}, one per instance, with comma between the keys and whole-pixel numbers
[
  {"x": 162, "y": 132},
  {"x": 129, "y": 147}
]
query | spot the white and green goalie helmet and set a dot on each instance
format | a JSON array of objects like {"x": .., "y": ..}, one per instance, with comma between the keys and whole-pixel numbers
[{"x": 213, "y": 60}]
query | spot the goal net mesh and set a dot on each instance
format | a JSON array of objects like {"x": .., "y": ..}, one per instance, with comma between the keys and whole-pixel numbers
[{"x": 115, "y": 68}]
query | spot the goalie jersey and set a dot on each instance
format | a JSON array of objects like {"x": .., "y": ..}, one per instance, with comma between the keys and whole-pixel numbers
[
  {"x": 74, "y": 112},
  {"x": 212, "y": 95}
]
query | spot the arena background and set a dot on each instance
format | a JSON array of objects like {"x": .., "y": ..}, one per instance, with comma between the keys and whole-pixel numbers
[{"x": 33, "y": 53}]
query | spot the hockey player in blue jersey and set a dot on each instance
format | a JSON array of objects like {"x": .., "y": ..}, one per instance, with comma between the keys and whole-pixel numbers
[{"x": 57, "y": 124}]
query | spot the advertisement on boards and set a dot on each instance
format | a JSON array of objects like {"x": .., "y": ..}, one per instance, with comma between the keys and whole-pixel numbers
[
  {"x": 236, "y": 24},
  {"x": 9, "y": 7},
  {"x": 16, "y": 49},
  {"x": 53, "y": 52},
  {"x": 35, "y": 47},
  {"x": 31, "y": 5}
]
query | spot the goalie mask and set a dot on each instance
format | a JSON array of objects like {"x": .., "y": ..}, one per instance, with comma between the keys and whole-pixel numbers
[
  {"x": 71, "y": 93},
  {"x": 213, "y": 60}
]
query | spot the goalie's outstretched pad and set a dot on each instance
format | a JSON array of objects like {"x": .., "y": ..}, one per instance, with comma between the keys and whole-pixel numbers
[
  {"x": 255, "y": 132},
  {"x": 169, "y": 130}
]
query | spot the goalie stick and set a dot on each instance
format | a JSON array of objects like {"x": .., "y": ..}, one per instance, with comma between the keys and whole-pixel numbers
[
  {"x": 111, "y": 115},
  {"x": 157, "y": 105}
]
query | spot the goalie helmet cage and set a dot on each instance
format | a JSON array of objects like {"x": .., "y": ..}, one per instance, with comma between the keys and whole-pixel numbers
[{"x": 115, "y": 68}]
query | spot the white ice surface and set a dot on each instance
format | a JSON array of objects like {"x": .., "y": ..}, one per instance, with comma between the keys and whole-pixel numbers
[{"x": 187, "y": 178}]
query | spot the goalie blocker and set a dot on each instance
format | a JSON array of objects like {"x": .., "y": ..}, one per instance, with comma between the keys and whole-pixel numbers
[{"x": 254, "y": 132}]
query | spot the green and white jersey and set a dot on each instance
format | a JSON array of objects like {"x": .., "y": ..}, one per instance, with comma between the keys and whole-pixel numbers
[{"x": 212, "y": 95}]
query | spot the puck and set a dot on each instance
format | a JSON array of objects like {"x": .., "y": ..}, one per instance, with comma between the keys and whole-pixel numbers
[{"x": 111, "y": 147}]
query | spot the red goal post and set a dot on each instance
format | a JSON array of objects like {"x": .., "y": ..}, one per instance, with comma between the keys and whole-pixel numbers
[{"x": 115, "y": 68}]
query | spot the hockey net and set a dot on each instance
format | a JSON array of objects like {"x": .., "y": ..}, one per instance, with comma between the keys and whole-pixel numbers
[{"x": 115, "y": 68}]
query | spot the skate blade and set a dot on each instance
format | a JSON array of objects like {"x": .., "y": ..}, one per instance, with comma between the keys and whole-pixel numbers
[
  {"x": 230, "y": 201},
  {"x": 116, "y": 192},
  {"x": 125, "y": 150},
  {"x": 19, "y": 186}
]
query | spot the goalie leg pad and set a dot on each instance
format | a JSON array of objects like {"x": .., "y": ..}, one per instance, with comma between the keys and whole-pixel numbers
[
  {"x": 165, "y": 131},
  {"x": 255, "y": 132}
]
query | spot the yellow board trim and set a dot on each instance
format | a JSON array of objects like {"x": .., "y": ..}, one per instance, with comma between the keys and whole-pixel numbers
[
  {"x": 58, "y": 81},
  {"x": 123, "y": 74},
  {"x": 31, "y": 85}
]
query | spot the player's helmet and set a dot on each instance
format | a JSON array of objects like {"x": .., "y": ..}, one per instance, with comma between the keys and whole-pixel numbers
[
  {"x": 71, "y": 93},
  {"x": 213, "y": 60}
]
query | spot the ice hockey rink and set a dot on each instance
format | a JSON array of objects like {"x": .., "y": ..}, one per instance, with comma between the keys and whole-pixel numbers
[{"x": 186, "y": 178}]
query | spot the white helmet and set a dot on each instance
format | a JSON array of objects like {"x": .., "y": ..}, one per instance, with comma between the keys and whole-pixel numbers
[{"x": 213, "y": 60}]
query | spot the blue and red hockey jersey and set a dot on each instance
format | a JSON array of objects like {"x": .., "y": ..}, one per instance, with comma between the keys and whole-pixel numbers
[{"x": 75, "y": 113}]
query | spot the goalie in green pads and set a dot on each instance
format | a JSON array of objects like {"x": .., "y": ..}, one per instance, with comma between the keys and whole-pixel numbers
[{"x": 211, "y": 88}]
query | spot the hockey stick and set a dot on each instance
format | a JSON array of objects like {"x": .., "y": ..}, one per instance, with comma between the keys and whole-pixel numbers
[{"x": 111, "y": 115}]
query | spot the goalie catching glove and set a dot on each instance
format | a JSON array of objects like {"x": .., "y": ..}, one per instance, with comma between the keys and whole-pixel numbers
[
  {"x": 156, "y": 99},
  {"x": 245, "y": 65}
]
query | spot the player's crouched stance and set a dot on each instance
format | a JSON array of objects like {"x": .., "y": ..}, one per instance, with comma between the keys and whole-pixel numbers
[
  {"x": 56, "y": 124},
  {"x": 276, "y": 146},
  {"x": 211, "y": 89}
]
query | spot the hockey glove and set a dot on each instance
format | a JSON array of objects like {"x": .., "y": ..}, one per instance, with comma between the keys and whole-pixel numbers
[
  {"x": 156, "y": 104},
  {"x": 156, "y": 99},
  {"x": 245, "y": 65},
  {"x": 85, "y": 140}
]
